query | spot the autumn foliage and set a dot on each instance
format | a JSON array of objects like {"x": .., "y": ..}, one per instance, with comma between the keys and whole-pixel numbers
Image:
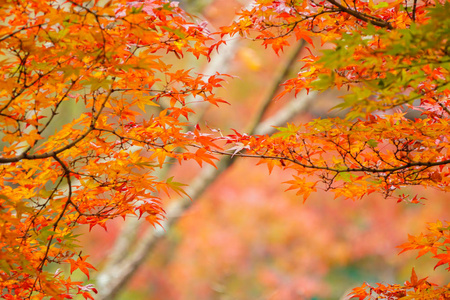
[
  {"x": 108, "y": 59},
  {"x": 107, "y": 62}
]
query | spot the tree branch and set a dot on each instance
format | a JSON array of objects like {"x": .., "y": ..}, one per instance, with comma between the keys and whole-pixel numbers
[
  {"x": 25, "y": 155},
  {"x": 362, "y": 16}
]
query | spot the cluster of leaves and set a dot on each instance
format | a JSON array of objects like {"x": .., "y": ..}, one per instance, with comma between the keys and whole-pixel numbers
[
  {"x": 384, "y": 69},
  {"x": 436, "y": 241},
  {"x": 106, "y": 59},
  {"x": 392, "y": 57},
  {"x": 357, "y": 158}
]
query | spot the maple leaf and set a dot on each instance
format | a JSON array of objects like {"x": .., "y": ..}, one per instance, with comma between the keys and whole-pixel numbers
[
  {"x": 277, "y": 44},
  {"x": 444, "y": 258},
  {"x": 414, "y": 281},
  {"x": 238, "y": 148},
  {"x": 303, "y": 34},
  {"x": 81, "y": 264},
  {"x": 360, "y": 292}
]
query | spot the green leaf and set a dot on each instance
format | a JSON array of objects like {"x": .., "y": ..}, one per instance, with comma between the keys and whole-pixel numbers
[
  {"x": 323, "y": 82},
  {"x": 177, "y": 32},
  {"x": 381, "y": 5},
  {"x": 372, "y": 143}
]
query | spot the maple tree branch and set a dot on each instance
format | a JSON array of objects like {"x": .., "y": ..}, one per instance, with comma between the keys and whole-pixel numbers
[
  {"x": 25, "y": 155},
  {"x": 16, "y": 93},
  {"x": 42, "y": 206},
  {"x": 444, "y": 107},
  {"x": 54, "y": 110},
  {"x": 55, "y": 224},
  {"x": 335, "y": 170},
  {"x": 19, "y": 30},
  {"x": 362, "y": 16}
]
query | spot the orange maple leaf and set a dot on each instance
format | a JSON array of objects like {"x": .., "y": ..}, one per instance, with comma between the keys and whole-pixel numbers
[{"x": 81, "y": 264}]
